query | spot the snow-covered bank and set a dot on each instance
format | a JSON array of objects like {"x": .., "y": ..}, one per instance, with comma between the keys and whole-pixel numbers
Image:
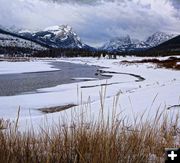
[
  {"x": 160, "y": 89},
  {"x": 25, "y": 67}
]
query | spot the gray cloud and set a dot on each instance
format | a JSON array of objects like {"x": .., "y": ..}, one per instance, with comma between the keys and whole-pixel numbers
[
  {"x": 95, "y": 21},
  {"x": 176, "y": 3}
]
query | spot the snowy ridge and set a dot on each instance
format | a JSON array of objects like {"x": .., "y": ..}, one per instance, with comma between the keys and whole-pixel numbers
[{"x": 12, "y": 41}]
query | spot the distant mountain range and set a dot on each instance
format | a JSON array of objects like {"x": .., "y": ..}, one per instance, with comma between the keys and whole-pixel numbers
[
  {"x": 64, "y": 37},
  {"x": 125, "y": 43}
]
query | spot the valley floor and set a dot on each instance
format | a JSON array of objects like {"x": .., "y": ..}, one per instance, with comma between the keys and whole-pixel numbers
[{"x": 141, "y": 89}]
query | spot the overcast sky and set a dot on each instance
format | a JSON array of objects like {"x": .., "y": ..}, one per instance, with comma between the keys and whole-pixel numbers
[{"x": 95, "y": 21}]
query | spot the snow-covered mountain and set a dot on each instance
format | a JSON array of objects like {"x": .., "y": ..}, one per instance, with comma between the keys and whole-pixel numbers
[
  {"x": 123, "y": 44},
  {"x": 8, "y": 39},
  {"x": 118, "y": 44},
  {"x": 158, "y": 38},
  {"x": 56, "y": 36}
]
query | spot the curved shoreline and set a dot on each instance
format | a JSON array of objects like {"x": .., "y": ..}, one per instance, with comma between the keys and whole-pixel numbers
[{"x": 140, "y": 78}]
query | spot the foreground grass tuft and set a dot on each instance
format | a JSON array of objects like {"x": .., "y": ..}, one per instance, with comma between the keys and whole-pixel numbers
[{"x": 99, "y": 141}]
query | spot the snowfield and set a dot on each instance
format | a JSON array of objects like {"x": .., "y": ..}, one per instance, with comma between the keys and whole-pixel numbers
[{"x": 141, "y": 88}]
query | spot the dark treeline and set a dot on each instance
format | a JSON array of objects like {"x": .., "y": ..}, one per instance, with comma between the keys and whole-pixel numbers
[
  {"x": 88, "y": 53},
  {"x": 68, "y": 52},
  {"x": 16, "y": 51}
]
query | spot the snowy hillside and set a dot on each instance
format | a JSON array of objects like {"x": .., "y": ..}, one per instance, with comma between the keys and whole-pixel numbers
[
  {"x": 158, "y": 38},
  {"x": 12, "y": 41}
]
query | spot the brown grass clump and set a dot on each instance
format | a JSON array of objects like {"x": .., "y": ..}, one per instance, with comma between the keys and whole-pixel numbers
[
  {"x": 111, "y": 139},
  {"x": 170, "y": 63}
]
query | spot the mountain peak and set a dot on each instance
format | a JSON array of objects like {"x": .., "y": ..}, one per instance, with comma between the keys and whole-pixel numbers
[
  {"x": 61, "y": 36},
  {"x": 66, "y": 28}
]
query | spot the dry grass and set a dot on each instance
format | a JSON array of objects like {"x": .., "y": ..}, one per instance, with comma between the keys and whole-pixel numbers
[
  {"x": 100, "y": 141},
  {"x": 170, "y": 63},
  {"x": 111, "y": 139}
]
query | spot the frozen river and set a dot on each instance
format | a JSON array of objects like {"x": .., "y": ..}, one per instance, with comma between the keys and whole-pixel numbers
[{"x": 20, "y": 83}]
